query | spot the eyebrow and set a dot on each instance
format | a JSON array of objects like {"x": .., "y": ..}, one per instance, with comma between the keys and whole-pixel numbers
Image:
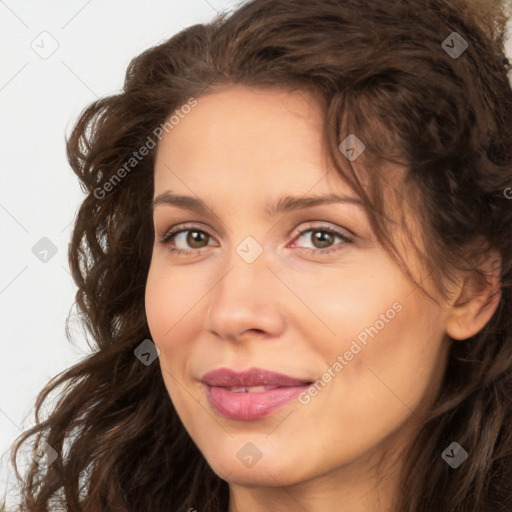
[{"x": 284, "y": 205}]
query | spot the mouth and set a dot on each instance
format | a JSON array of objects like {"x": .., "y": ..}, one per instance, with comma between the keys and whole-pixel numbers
[{"x": 251, "y": 394}]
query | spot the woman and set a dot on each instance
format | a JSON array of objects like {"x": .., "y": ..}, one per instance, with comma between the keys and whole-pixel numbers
[{"x": 294, "y": 260}]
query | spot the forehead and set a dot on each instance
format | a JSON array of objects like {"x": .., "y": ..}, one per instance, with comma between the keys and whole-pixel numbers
[{"x": 265, "y": 138}]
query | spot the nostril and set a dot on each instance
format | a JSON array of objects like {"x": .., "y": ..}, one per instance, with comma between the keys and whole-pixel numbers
[{"x": 258, "y": 331}]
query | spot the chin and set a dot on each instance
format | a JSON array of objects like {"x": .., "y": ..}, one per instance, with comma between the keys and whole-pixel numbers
[
  {"x": 266, "y": 472},
  {"x": 253, "y": 477}
]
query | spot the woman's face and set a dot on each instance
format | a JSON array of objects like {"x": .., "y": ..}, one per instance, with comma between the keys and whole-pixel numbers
[{"x": 270, "y": 272}]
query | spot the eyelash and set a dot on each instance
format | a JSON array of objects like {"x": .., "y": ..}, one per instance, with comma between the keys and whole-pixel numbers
[{"x": 196, "y": 252}]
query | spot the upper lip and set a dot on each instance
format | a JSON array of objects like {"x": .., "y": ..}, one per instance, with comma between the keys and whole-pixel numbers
[{"x": 227, "y": 378}]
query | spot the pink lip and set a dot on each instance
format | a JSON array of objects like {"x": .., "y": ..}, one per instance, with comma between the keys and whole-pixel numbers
[{"x": 250, "y": 405}]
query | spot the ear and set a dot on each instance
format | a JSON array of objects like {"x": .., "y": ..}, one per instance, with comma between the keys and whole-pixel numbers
[{"x": 476, "y": 301}]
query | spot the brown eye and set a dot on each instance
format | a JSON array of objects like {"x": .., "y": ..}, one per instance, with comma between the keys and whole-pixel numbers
[
  {"x": 186, "y": 240},
  {"x": 196, "y": 239},
  {"x": 321, "y": 238}
]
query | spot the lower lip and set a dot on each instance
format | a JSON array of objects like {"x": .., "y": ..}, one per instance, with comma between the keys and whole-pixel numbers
[{"x": 251, "y": 405}]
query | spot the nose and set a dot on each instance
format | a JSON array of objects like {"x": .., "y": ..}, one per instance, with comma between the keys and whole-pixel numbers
[{"x": 247, "y": 301}]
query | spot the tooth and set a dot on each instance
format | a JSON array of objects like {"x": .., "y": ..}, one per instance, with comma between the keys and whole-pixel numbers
[
  {"x": 252, "y": 389},
  {"x": 257, "y": 388},
  {"x": 238, "y": 390}
]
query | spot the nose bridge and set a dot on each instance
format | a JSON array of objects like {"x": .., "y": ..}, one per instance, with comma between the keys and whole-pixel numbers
[
  {"x": 244, "y": 298},
  {"x": 246, "y": 280},
  {"x": 247, "y": 264}
]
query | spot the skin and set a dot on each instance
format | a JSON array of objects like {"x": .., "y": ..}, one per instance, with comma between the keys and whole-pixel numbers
[{"x": 293, "y": 310}]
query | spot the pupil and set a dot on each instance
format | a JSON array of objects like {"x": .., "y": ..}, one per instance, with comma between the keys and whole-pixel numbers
[{"x": 324, "y": 238}]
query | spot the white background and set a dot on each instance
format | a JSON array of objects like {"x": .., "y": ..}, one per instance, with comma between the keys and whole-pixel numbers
[{"x": 40, "y": 98}]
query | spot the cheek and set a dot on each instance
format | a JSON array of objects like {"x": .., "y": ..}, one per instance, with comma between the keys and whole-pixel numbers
[
  {"x": 387, "y": 351},
  {"x": 350, "y": 301},
  {"x": 170, "y": 310},
  {"x": 393, "y": 374},
  {"x": 159, "y": 302},
  {"x": 171, "y": 299}
]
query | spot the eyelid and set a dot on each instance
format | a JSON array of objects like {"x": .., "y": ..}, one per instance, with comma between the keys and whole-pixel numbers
[{"x": 183, "y": 226}]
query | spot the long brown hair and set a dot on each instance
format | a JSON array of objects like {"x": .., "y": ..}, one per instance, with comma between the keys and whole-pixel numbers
[{"x": 381, "y": 69}]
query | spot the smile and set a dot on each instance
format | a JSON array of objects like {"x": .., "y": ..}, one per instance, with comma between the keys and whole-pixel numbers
[{"x": 252, "y": 394}]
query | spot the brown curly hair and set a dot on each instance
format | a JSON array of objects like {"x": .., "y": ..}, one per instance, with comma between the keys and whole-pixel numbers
[{"x": 378, "y": 69}]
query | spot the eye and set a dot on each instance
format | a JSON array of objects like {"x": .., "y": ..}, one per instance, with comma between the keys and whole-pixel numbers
[
  {"x": 322, "y": 239},
  {"x": 191, "y": 240}
]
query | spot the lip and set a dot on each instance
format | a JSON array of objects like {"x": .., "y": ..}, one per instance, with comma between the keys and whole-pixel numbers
[{"x": 279, "y": 389}]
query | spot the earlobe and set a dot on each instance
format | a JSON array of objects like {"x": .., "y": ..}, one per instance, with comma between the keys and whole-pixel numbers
[{"x": 476, "y": 303}]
